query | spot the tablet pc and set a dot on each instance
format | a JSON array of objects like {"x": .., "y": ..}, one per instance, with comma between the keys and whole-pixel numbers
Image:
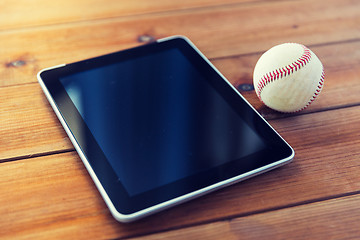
[{"x": 158, "y": 124}]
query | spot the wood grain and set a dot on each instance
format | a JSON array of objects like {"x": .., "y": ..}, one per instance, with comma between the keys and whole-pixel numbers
[
  {"x": 28, "y": 126},
  {"x": 214, "y": 30},
  {"x": 332, "y": 219},
  {"x": 22, "y": 13},
  {"x": 74, "y": 207}
]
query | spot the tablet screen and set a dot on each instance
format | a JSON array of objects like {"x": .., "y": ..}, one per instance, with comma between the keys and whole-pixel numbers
[{"x": 158, "y": 120}]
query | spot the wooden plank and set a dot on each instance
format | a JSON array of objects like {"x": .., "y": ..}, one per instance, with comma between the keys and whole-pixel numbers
[
  {"x": 27, "y": 121},
  {"x": 74, "y": 208},
  {"x": 333, "y": 219},
  {"x": 25, "y": 52},
  {"x": 16, "y": 14}
]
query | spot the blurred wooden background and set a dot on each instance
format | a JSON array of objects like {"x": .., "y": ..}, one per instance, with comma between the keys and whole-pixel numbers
[{"x": 45, "y": 191}]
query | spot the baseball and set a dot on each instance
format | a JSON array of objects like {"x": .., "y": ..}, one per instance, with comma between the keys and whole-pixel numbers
[{"x": 288, "y": 77}]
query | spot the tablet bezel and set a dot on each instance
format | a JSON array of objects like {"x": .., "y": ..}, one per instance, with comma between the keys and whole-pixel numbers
[{"x": 124, "y": 207}]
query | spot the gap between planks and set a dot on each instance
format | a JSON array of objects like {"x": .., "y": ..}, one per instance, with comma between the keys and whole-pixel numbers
[{"x": 36, "y": 155}]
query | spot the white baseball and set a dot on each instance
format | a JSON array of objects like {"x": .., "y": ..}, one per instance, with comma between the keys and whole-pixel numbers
[{"x": 288, "y": 77}]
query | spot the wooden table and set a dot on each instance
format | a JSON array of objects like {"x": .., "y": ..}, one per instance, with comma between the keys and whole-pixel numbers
[{"x": 45, "y": 191}]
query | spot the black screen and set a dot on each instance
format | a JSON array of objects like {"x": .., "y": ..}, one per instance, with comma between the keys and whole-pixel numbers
[{"x": 157, "y": 119}]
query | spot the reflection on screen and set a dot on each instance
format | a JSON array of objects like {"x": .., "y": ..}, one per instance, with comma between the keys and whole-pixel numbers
[{"x": 157, "y": 119}]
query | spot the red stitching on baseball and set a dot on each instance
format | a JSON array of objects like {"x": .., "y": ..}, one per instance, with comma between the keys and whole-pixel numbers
[
  {"x": 284, "y": 71},
  {"x": 317, "y": 92}
]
